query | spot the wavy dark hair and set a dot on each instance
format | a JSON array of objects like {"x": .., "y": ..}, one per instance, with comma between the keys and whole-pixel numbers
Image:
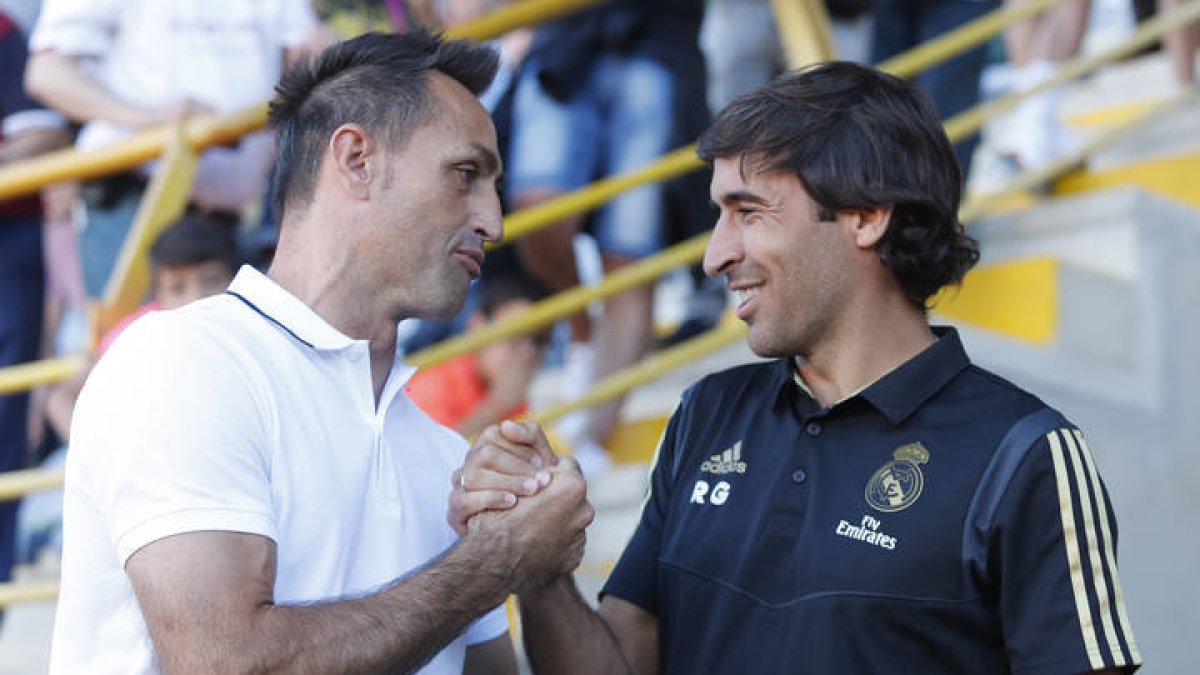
[
  {"x": 377, "y": 80},
  {"x": 858, "y": 138}
]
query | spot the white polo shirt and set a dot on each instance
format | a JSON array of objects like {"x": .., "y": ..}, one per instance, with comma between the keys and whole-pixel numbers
[
  {"x": 150, "y": 53},
  {"x": 246, "y": 412}
]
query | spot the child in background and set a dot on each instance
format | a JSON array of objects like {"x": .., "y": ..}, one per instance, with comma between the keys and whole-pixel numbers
[{"x": 474, "y": 390}]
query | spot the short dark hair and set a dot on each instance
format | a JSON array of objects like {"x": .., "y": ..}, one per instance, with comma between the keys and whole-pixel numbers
[
  {"x": 377, "y": 80},
  {"x": 860, "y": 138},
  {"x": 195, "y": 239}
]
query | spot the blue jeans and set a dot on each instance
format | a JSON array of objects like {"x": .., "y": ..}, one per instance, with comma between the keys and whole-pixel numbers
[
  {"x": 953, "y": 85},
  {"x": 22, "y": 293},
  {"x": 101, "y": 240},
  {"x": 619, "y": 120}
]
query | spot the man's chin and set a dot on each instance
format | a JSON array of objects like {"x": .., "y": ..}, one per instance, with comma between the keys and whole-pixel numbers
[{"x": 764, "y": 348}]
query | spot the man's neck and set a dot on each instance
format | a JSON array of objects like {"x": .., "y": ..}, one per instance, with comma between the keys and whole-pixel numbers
[
  {"x": 324, "y": 278},
  {"x": 867, "y": 346}
]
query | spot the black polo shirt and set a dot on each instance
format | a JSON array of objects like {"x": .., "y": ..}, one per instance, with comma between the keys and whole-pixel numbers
[{"x": 940, "y": 521}]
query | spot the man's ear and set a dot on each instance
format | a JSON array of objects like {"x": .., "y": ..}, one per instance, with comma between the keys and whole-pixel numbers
[
  {"x": 353, "y": 159},
  {"x": 868, "y": 226}
]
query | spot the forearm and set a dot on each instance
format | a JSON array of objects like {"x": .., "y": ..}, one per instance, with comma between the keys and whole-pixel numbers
[
  {"x": 564, "y": 635},
  {"x": 395, "y": 629},
  {"x": 57, "y": 81},
  {"x": 32, "y": 143}
]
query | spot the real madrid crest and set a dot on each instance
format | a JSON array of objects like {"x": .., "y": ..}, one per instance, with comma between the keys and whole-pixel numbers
[{"x": 897, "y": 484}]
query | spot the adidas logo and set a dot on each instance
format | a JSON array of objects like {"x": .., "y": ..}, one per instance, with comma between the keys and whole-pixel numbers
[{"x": 729, "y": 461}]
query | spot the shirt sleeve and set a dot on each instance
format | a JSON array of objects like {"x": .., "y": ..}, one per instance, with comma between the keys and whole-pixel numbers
[
  {"x": 76, "y": 28},
  {"x": 635, "y": 578},
  {"x": 167, "y": 438},
  {"x": 1054, "y": 541}
]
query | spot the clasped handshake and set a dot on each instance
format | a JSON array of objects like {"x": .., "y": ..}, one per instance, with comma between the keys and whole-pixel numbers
[{"x": 523, "y": 505}]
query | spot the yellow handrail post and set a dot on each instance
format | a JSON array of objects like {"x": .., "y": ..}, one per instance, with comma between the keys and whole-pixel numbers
[
  {"x": 804, "y": 30},
  {"x": 163, "y": 202},
  {"x": 956, "y": 41},
  {"x": 25, "y": 376},
  {"x": 516, "y": 15},
  {"x": 12, "y": 593},
  {"x": 648, "y": 369},
  {"x": 15, "y": 484},
  {"x": 546, "y": 312}
]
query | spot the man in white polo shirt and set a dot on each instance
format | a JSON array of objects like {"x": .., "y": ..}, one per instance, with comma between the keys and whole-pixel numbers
[{"x": 249, "y": 489}]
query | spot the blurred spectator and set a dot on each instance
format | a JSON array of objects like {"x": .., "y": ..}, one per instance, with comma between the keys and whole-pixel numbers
[
  {"x": 475, "y": 390},
  {"x": 604, "y": 92},
  {"x": 1181, "y": 46},
  {"x": 193, "y": 259},
  {"x": 1037, "y": 48},
  {"x": 901, "y": 25},
  {"x": 25, "y": 131},
  {"x": 119, "y": 67}
]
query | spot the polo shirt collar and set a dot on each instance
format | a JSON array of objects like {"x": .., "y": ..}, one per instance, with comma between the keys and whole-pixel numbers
[
  {"x": 899, "y": 393},
  {"x": 285, "y": 310}
]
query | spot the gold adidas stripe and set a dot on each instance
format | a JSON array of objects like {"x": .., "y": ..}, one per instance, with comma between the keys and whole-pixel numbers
[
  {"x": 1093, "y": 546},
  {"x": 1071, "y": 541},
  {"x": 1109, "y": 555}
]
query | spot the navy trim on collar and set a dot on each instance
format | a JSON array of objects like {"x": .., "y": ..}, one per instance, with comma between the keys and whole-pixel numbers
[{"x": 270, "y": 318}]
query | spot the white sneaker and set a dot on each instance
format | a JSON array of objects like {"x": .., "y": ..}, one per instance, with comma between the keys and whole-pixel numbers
[{"x": 1035, "y": 136}]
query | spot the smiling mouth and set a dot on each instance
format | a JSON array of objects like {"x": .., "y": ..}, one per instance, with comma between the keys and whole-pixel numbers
[{"x": 743, "y": 300}]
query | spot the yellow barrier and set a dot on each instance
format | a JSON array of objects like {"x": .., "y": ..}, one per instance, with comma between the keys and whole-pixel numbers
[
  {"x": 648, "y": 369},
  {"x": 27, "y": 592},
  {"x": 163, "y": 202},
  {"x": 959, "y": 40},
  {"x": 568, "y": 302},
  {"x": 514, "y": 16},
  {"x": 670, "y": 165},
  {"x": 804, "y": 31},
  {"x": 14, "y": 379}
]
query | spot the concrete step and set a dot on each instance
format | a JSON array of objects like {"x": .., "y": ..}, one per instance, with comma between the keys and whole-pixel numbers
[{"x": 1123, "y": 365}]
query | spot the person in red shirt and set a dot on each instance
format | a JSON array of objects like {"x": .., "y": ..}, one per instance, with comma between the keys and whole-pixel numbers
[{"x": 475, "y": 390}]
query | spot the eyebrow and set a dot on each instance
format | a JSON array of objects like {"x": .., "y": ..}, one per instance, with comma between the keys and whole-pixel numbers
[
  {"x": 489, "y": 159},
  {"x": 739, "y": 196}
]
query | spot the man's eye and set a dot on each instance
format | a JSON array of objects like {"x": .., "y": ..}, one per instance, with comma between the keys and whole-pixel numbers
[{"x": 466, "y": 174}]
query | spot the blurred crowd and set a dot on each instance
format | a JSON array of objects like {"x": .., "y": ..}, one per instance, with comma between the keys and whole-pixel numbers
[{"x": 601, "y": 92}]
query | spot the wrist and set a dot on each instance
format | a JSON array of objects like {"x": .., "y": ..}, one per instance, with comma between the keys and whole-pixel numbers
[{"x": 490, "y": 558}]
